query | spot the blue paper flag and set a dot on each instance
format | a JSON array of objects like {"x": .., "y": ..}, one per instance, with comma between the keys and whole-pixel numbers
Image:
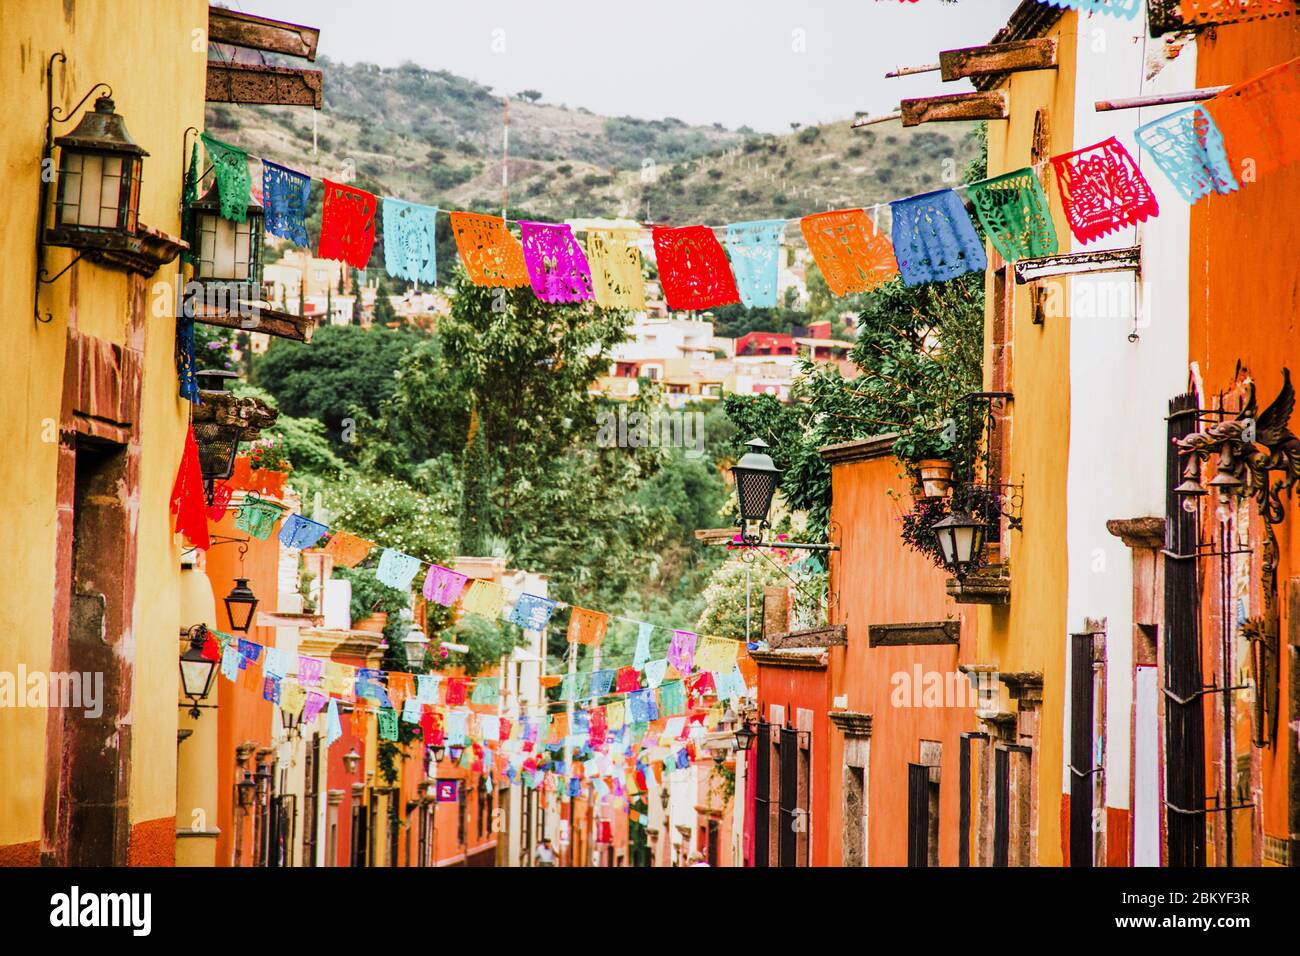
[
  {"x": 1118, "y": 8},
  {"x": 642, "y": 706},
  {"x": 575, "y": 786},
  {"x": 299, "y": 532},
  {"x": 1188, "y": 148},
  {"x": 531, "y": 612},
  {"x": 601, "y": 682},
  {"x": 333, "y": 726},
  {"x": 755, "y": 249},
  {"x": 410, "y": 241},
  {"x": 934, "y": 239},
  {"x": 285, "y": 193},
  {"x": 642, "y": 645},
  {"x": 396, "y": 569}
]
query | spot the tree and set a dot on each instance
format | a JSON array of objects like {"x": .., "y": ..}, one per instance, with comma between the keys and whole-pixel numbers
[
  {"x": 344, "y": 373},
  {"x": 531, "y": 96}
]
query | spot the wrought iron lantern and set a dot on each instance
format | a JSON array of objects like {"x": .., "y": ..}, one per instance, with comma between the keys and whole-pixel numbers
[
  {"x": 961, "y": 541},
  {"x": 240, "y": 603},
  {"x": 756, "y": 480},
  {"x": 228, "y": 257},
  {"x": 438, "y": 753},
  {"x": 247, "y": 788},
  {"x": 218, "y": 443},
  {"x": 415, "y": 642},
  {"x": 97, "y": 201},
  {"x": 744, "y": 736},
  {"x": 197, "y": 671},
  {"x": 351, "y": 760},
  {"x": 455, "y": 753}
]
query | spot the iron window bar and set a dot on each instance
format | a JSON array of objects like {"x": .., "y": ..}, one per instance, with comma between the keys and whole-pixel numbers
[{"x": 1208, "y": 689}]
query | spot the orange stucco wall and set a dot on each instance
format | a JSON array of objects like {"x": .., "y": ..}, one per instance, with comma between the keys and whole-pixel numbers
[
  {"x": 1245, "y": 280},
  {"x": 879, "y": 580}
]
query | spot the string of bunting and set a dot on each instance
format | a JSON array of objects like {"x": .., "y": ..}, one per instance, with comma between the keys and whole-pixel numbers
[
  {"x": 932, "y": 239},
  {"x": 685, "y": 688}
]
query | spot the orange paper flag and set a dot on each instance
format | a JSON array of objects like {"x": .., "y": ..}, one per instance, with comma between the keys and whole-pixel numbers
[
  {"x": 1257, "y": 121},
  {"x": 852, "y": 253},
  {"x": 346, "y": 549},
  {"x": 587, "y": 627},
  {"x": 492, "y": 256}
]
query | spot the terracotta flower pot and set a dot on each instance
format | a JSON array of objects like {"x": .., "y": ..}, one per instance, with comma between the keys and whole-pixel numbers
[
  {"x": 374, "y": 623},
  {"x": 936, "y": 477},
  {"x": 269, "y": 482}
]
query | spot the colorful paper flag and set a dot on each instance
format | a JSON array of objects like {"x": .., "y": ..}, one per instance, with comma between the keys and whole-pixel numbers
[
  {"x": 347, "y": 228},
  {"x": 556, "y": 264},
  {"x": 715, "y": 654},
  {"x": 230, "y": 170},
  {"x": 693, "y": 268},
  {"x": 397, "y": 569},
  {"x": 681, "y": 653},
  {"x": 443, "y": 585},
  {"x": 531, "y": 612},
  {"x": 484, "y": 598},
  {"x": 1103, "y": 190},
  {"x": 492, "y": 256},
  {"x": 188, "y": 503},
  {"x": 1256, "y": 119},
  {"x": 410, "y": 241},
  {"x": 853, "y": 255},
  {"x": 286, "y": 194},
  {"x": 1187, "y": 147},
  {"x": 934, "y": 239},
  {"x": 487, "y": 690},
  {"x": 586, "y": 626},
  {"x": 298, "y": 532},
  {"x": 755, "y": 249},
  {"x": 1013, "y": 209},
  {"x": 615, "y": 263},
  {"x": 642, "y": 653}
]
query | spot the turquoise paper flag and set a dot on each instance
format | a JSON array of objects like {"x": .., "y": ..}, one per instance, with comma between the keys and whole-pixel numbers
[
  {"x": 642, "y": 645},
  {"x": 571, "y": 686},
  {"x": 410, "y": 241},
  {"x": 230, "y": 659},
  {"x": 457, "y": 732},
  {"x": 396, "y": 569},
  {"x": 755, "y": 249},
  {"x": 427, "y": 688},
  {"x": 278, "y": 662},
  {"x": 654, "y": 672},
  {"x": 486, "y": 691},
  {"x": 333, "y": 725},
  {"x": 412, "y": 710}
]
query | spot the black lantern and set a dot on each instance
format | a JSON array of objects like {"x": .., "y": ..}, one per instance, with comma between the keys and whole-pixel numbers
[
  {"x": 247, "y": 788},
  {"x": 756, "y": 480},
  {"x": 197, "y": 671},
  {"x": 240, "y": 604},
  {"x": 744, "y": 736},
  {"x": 438, "y": 754},
  {"x": 97, "y": 202},
  {"x": 455, "y": 753},
  {"x": 961, "y": 539},
  {"x": 228, "y": 254},
  {"x": 218, "y": 443}
]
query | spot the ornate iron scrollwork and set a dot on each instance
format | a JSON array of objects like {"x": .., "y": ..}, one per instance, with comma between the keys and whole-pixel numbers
[{"x": 1252, "y": 448}]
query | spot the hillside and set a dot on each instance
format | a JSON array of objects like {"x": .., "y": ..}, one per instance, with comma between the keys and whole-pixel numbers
[{"x": 429, "y": 136}]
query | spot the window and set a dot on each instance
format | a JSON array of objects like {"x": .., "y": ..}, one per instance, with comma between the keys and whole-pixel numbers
[
  {"x": 310, "y": 802},
  {"x": 1082, "y": 778},
  {"x": 762, "y": 790},
  {"x": 360, "y": 830},
  {"x": 788, "y": 815}
]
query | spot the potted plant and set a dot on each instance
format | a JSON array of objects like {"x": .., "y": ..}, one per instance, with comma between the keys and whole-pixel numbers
[
  {"x": 930, "y": 455},
  {"x": 269, "y": 466}
]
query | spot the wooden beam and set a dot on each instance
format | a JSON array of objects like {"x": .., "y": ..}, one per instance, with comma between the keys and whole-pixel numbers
[
  {"x": 264, "y": 85},
  {"x": 955, "y": 107},
  {"x": 1128, "y": 259},
  {"x": 260, "y": 33},
  {"x": 1013, "y": 57},
  {"x": 1158, "y": 99},
  {"x": 896, "y": 635},
  {"x": 280, "y": 324},
  {"x": 862, "y": 121}
]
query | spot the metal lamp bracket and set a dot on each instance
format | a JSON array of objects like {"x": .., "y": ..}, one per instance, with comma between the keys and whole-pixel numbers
[{"x": 53, "y": 114}]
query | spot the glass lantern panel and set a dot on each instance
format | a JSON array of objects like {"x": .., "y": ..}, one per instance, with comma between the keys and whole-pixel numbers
[
  {"x": 70, "y": 178},
  {"x": 945, "y": 537},
  {"x": 110, "y": 192},
  {"x": 194, "y": 677},
  {"x": 964, "y": 541}
]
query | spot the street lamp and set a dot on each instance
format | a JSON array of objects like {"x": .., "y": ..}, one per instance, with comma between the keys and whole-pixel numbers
[
  {"x": 415, "y": 642},
  {"x": 455, "y": 753},
  {"x": 240, "y": 604},
  {"x": 350, "y": 761},
  {"x": 744, "y": 736},
  {"x": 197, "y": 671},
  {"x": 98, "y": 196},
  {"x": 756, "y": 480},
  {"x": 229, "y": 254},
  {"x": 961, "y": 538},
  {"x": 438, "y": 753}
]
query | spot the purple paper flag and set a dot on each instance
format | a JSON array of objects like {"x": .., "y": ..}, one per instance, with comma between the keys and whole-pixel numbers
[
  {"x": 681, "y": 654},
  {"x": 443, "y": 585},
  {"x": 557, "y": 266},
  {"x": 313, "y": 706}
]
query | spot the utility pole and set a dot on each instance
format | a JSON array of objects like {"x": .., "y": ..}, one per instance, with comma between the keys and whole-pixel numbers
[{"x": 505, "y": 159}]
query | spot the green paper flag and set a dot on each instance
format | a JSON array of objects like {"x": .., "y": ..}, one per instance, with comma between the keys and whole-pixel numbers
[
  {"x": 230, "y": 166},
  {"x": 485, "y": 691},
  {"x": 1014, "y": 212},
  {"x": 672, "y": 699}
]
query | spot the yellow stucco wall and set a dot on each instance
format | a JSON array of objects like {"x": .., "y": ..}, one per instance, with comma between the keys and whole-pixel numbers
[
  {"x": 1029, "y": 635},
  {"x": 147, "y": 52}
]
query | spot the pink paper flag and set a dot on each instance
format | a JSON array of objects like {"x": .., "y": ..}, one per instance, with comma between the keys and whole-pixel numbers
[
  {"x": 557, "y": 266},
  {"x": 443, "y": 585}
]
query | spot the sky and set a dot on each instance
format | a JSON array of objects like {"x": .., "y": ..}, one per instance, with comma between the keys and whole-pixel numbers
[{"x": 758, "y": 63}]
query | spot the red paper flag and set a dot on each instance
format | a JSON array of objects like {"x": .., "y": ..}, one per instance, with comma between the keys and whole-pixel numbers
[
  {"x": 188, "y": 502},
  {"x": 628, "y": 680},
  {"x": 347, "y": 226},
  {"x": 456, "y": 691},
  {"x": 693, "y": 268},
  {"x": 220, "y": 499},
  {"x": 1103, "y": 190}
]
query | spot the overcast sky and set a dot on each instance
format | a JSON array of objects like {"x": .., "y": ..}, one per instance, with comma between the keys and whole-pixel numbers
[{"x": 759, "y": 63}]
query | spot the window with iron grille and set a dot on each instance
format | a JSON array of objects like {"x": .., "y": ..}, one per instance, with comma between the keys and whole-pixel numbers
[
  {"x": 1081, "y": 743},
  {"x": 918, "y": 815},
  {"x": 1001, "y": 807}
]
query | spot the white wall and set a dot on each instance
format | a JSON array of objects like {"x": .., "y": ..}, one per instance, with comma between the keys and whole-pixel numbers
[{"x": 1119, "y": 390}]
